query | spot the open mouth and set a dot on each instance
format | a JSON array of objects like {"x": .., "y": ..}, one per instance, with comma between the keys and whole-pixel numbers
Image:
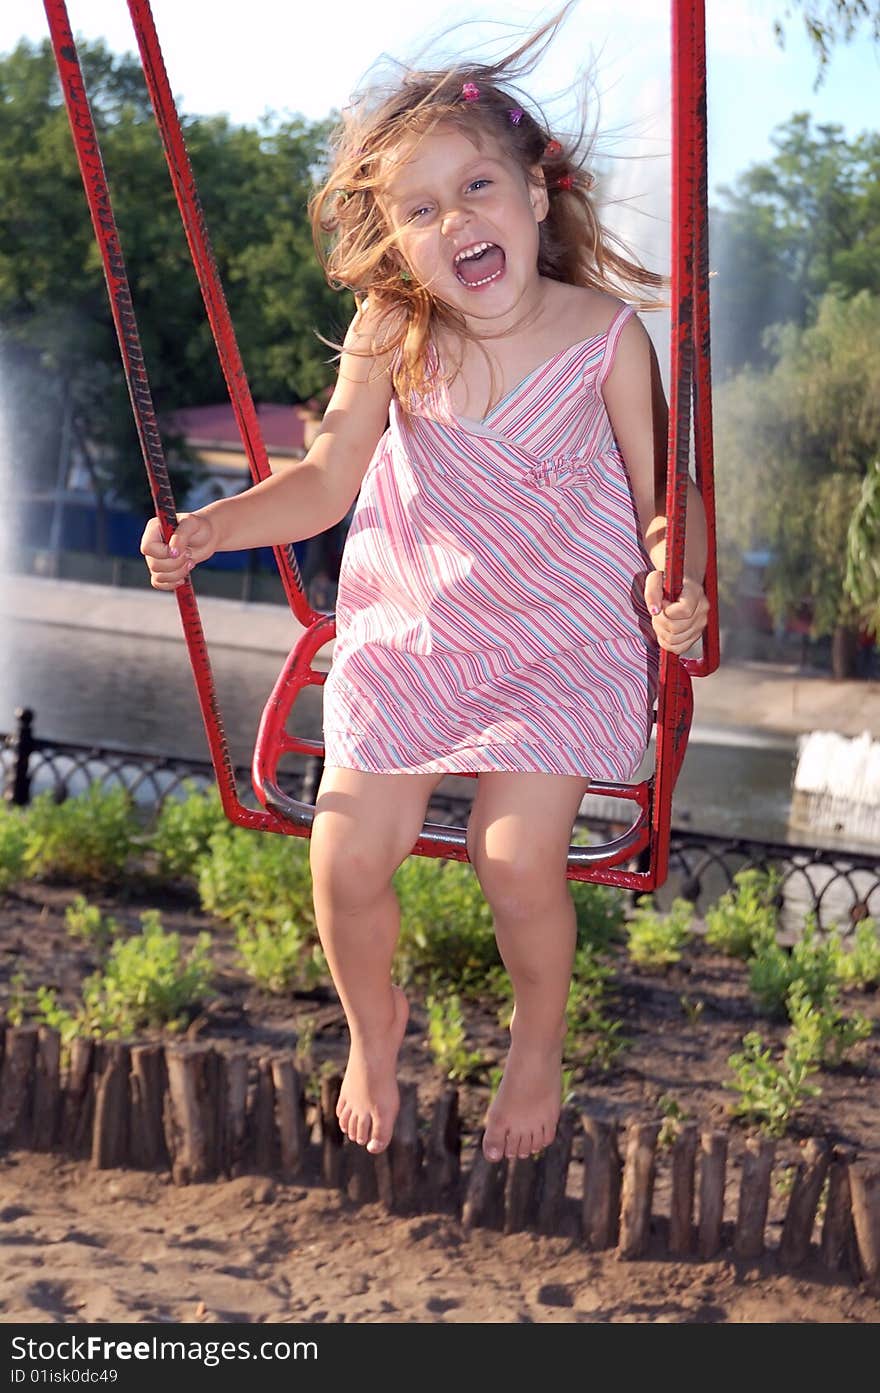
[{"x": 479, "y": 264}]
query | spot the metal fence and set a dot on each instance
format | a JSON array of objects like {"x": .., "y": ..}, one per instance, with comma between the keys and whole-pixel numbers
[{"x": 836, "y": 886}]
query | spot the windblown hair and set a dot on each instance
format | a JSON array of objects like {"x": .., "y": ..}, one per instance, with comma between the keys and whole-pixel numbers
[{"x": 357, "y": 247}]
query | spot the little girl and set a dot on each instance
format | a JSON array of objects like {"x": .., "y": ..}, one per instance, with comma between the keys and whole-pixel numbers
[{"x": 502, "y": 574}]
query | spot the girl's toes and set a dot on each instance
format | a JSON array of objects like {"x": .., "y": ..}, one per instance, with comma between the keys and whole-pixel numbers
[
  {"x": 362, "y": 1131},
  {"x": 343, "y": 1114},
  {"x": 379, "y": 1137},
  {"x": 494, "y": 1142}
]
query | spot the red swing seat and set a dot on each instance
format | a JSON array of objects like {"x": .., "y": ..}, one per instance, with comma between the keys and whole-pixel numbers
[{"x": 647, "y": 836}]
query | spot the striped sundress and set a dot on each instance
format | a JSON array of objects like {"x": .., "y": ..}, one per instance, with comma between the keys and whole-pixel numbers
[{"x": 490, "y": 613}]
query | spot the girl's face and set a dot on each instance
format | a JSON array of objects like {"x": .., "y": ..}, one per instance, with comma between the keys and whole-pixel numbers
[{"x": 466, "y": 221}]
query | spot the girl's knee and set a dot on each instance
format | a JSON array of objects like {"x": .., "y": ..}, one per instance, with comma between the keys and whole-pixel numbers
[
  {"x": 350, "y": 872},
  {"x": 522, "y": 884}
]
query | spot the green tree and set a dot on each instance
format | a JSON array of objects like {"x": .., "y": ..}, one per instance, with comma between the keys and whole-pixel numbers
[
  {"x": 863, "y": 552},
  {"x": 57, "y": 338},
  {"x": 793, "y": 446},
  {"x": 789, "y": 230}
]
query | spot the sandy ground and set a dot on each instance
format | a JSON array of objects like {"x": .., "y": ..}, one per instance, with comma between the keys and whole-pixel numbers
[{"x": 86, "y": 1246}]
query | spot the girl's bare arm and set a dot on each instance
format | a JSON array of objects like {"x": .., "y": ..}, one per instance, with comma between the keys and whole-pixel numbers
[
  {"x": 301, "y": 499},
  {"x": 639, "y": 416}
]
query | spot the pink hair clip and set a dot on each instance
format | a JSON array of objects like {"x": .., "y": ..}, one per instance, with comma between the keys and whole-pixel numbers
[
  {"x": 552, "y": 150},
  {"x": 470, "y": 91},
  {"x": 515, "y": 115},
  {"x": 565, "y": 181}
]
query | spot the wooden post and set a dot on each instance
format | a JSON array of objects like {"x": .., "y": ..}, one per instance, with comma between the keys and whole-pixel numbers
[
  {"x": 864, "y": 1185},
  {"x": 838, "y": 1244},
  {"x": 681, "y": 1204},
  {"x": 236, "y": 1138},
  {"x": 265, "y": 1133},
  {"x": 191, "y": 1112},
  {"x": 359, "y": 1170},
  {"x": 331, "y": 1133},
  {"x": 638, "y": 1188},
  {"x": 520, "y": 1198},
  {"x": 484, "y": 1197},
  {"x": 77, "y": 1111},
  {"x": 713, "y": 1164},
  {"x": 17, "y": 1086},
  {"x": 405, "y": 1153},
  {"x": 148, "y": 1082},
  {"x": 800, "y": 1216},
  {"x": 47, "y": 1089},
  {"x": 601, "y": 1208},
  {"x": 553, "y": 1175},
  {"x": 443, "y": 1153},
  {"x": 290, "y": 1107},
  {"x": 110, "y": 1135},
  {"x": 754, "y": 1197}
]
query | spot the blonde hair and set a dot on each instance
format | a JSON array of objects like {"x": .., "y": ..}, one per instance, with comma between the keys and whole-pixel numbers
[{"x": 358, "y": 249}]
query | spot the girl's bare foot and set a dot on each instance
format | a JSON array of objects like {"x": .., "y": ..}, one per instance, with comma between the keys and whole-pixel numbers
[
  {"x": 369, "y": 1099},
  {"x": 523, "y": 1115}
]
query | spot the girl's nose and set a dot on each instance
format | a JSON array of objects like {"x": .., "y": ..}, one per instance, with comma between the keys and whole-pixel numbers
[{"x": 453, "y": 220}]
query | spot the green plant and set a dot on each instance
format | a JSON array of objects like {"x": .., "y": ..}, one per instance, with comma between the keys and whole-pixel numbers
[
  {"x": 182, "y": 835},
  {"x": 692, "y": 1008},
  {"x": 17, "y": 1002},
  {"x": 13, "y": 844},
  {"x": 599, "y": 912},
  {"x": 147, "y": 980},
  {"x": 656, "y": 940},
  {"x": 745, "y": 917},
  {"x": 446, "y": 926},
  {"x": 47, "y": 1012},
  {"x": 248, "y": 878},
  {"x": 446, "y": 1038},
  {"x": 859, "y": 966},
  {"x": 280, "y": 957},
  {"x": 593, "y": 1037},
  {"x": 89, "y": 837},
  {"x": 673, "y": 1116},
  {"x": 771, "y": 1093},
  {"x": 303, "y": 1055},
  {"x": 771, "y": 973},
  {"x": 86, "y": 921},
  {"x": 813, "y": 962},
  {"x": 824, "y": 1035}
]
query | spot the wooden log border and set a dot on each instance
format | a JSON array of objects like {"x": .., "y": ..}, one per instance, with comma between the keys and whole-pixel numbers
[{"x": 211, "y": 1114}]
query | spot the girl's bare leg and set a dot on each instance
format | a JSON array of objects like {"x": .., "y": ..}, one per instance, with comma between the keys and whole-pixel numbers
[
  {"x": 365, "y": 826},
  {"x": 518, "y": 839}
]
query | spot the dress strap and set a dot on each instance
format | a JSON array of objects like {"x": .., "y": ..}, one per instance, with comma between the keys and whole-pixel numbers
[{"x": 613, "y": 334}]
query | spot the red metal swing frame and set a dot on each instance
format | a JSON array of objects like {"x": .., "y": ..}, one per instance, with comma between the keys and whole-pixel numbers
[{"x": 647, "y": 837}]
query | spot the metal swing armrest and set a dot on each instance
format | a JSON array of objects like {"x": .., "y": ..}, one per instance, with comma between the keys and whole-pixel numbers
[{"x": 274, "y": 741}]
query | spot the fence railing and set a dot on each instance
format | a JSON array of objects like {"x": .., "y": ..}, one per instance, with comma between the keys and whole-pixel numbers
[{"x": 837, "y": 886}]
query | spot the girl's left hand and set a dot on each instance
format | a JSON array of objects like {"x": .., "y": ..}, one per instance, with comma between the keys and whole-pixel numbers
[{"x": 677, "y": 623}]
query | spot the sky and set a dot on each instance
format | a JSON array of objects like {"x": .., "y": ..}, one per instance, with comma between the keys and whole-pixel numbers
[{"x": 245, "y": 57}]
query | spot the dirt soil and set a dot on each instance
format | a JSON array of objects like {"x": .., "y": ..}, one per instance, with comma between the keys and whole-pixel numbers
[{"x": 79, "y": 1245}]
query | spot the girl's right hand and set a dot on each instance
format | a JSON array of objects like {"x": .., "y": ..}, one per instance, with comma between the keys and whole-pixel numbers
[{"x": 194, "y": 540}]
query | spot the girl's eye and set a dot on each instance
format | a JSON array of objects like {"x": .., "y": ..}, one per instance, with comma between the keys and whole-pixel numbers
[
  {"x": 417, "y": 213},
  {"x": 479, "y": 183}
]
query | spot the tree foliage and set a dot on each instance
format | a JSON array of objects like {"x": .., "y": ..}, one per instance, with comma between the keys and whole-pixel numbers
[
  {"x": 862, "y": 579},
  {"x": 793, "y": 445},
  {"x": 57, "y": 340},
  {"x": 789, "y": 229},
  {"x": 827, "y": 21}
]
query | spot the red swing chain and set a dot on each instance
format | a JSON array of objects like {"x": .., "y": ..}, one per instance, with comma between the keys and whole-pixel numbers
[{"x": 94, "y": 179}]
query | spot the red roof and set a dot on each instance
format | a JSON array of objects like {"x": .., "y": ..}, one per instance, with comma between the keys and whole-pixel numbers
[{"x": 283, "y": 427}]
